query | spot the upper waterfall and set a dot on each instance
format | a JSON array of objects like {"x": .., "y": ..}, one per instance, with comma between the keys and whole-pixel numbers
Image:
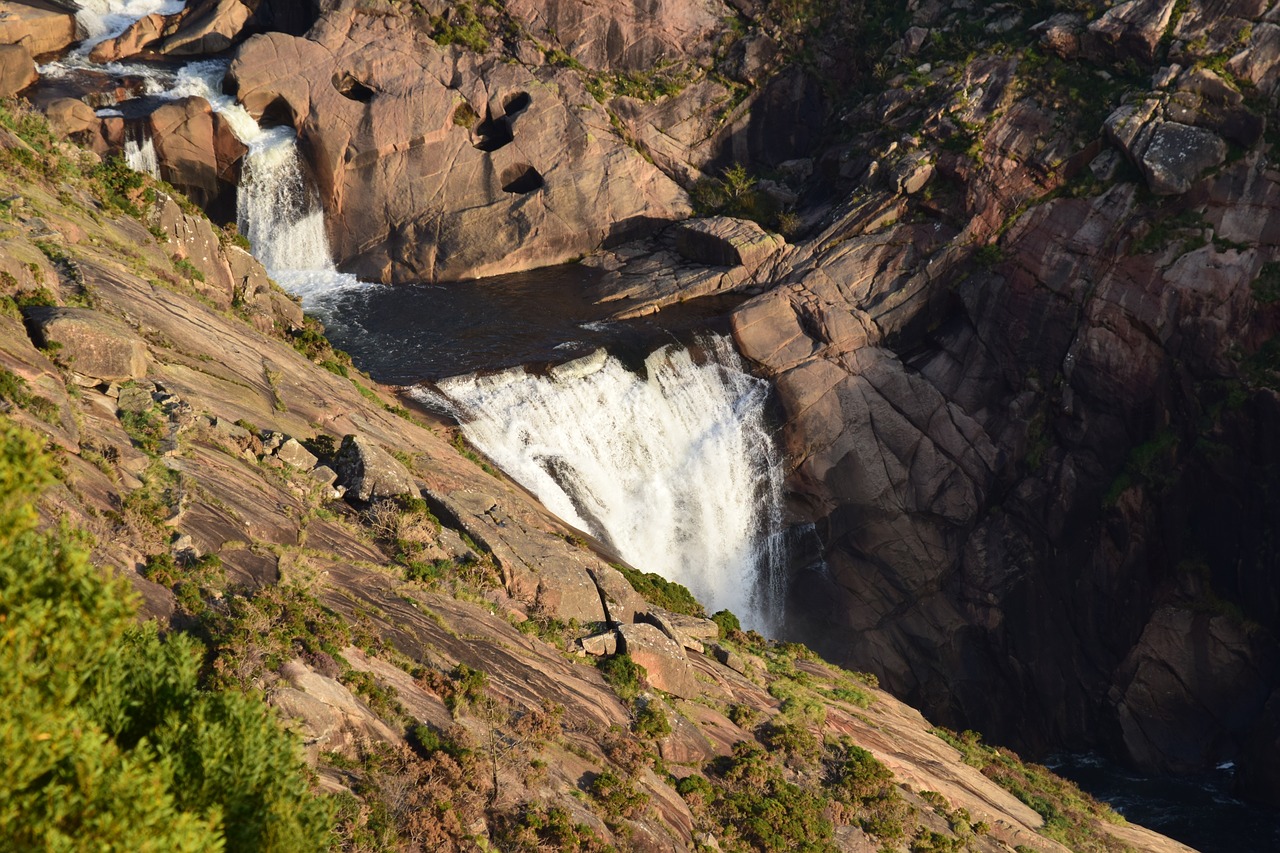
[
  {"x": 105, "y": 19},
  {"x": 675, "y": 469}
]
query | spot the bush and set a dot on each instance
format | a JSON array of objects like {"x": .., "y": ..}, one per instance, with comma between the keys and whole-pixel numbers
[
  {"x": 109, "y": 741},
  {"x": 618, "y": 796},
  {"x": 664, "y": 593},
  {"x": 624, "y": 675},
  {"x": 728, "y": 623}
]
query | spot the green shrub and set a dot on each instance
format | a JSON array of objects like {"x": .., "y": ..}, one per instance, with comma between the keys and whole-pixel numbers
[
  {"x": 728, "y": 623},
  {"x": 759, "y": 809},
  {"x": 650, "y": 722},
  {"x": 110, "y": 743},
  {"x": 624, "y": 675},
  {"x": 657, "y": 590},
  {"x": 618, "y": 797}
]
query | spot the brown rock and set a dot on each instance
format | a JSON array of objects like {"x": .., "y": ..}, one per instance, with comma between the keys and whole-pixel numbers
[
  {"x": 40, "y": 30},
  {"x": 725, "y": 241},
  {"x": 369, "y": 472},
  {"x": 662, "y": 658},
  {"x": 70, "y": 116},
  {"x": 296, "y": 455},
  {"x": 211, "y": 26},
  {"x": 515, "y": 169},
  {"x": 90, "y": 343},
  {"x": 630, "y": 37},
  {"x": 198, "y": 153},
  {"x": 17, "y": 69},
  {"x": 140, "y": 35}
]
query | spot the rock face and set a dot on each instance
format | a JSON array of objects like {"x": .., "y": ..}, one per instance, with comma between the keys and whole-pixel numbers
[
  {"x": 369, "y": 472},
  {"x": 199, "y": 154},
  {"x": 90, "y": 343},
  {"x": 41, "y": 30},
  {"x": 17, "y": 69},
  {"x": 451, "y": 166},
  {"x": 629, "y": 37}
]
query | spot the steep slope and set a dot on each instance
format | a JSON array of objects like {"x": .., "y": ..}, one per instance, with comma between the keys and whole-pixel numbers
[{"x": 423, "y": 646}]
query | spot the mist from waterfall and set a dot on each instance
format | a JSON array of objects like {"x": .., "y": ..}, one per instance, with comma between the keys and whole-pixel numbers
[{"x": 674, "y": 469}]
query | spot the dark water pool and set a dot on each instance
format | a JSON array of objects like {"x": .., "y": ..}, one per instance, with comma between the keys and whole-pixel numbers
[
  {"x": 1199, "y": 812},
  {"x": 413, "y": 333}
]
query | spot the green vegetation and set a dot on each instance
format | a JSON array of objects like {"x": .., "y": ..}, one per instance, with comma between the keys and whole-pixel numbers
[
  {"x": 111, "y": 740},
  {"x": 758, "y": 809},
  {"x": 459, "y": 24},
  {"x": 659, "y": 591},
  {"x": 1266, "y": 287},
  {"x": 624, "y": 675},
  {"x": 1069, "y": 813}
]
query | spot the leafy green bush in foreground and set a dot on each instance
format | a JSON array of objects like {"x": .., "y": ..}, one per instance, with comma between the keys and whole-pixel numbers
[{"x": 109, "y": 741}]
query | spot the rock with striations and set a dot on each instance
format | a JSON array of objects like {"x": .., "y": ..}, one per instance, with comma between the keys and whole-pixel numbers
[
  {"x": 438, "y": 164},
  {"x": 626, "y": 36},
  {"x": 17, "y": 69},
  {"x": 1171, "y": 155},
  {"x": 725, "y": 241},
  {"x": 662, "y": 658},
  {"x": 369, "y": 472},
  {"x": 89, "y": 342}
]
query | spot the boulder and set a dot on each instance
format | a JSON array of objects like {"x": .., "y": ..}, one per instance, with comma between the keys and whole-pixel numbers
[
  {"x": 1060, "y": 34},
  {"x": 40, "y": 30},
  {"x": 662, "y": 658},
  {"x": 211, "y": 26},
  {"x": 1178, "y": 155},
  {"x": 1171, "y": 155},
  {"x": 17, "y": 69},
  {"x": 296, "y": 455},
  {"x": 368, "y": 472},
  {"x": 689, "y": 631},
  {"x": 725, "y": 241},
  {"x": 137, "y": 37},
  {"x": 1129, "y": 30},
  {"x": 600, "y": 644},
  {"x": 71, "y": 116},
  {"x": 89, "y": 342},
  {"x": 199, "y": 154},
  {"x": 435, "y": 164}
]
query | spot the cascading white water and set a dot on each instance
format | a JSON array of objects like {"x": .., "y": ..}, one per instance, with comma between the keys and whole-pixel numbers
[
  {"x": 105, "y": 19},
  {"x": 140, "y": 150},
  {"x": 676, "y": 470}
]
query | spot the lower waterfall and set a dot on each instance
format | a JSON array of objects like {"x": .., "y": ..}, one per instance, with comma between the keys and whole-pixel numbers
[
  {"x": 676, "y": 470},
  {"x": 140, "y": 150}
]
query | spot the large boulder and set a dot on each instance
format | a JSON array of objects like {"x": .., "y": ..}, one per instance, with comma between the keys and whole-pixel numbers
[
  {"x": 662, "y": 658},
  {"x": 725, "y": 241},
  {"x": 89, "y": 342},
  {"x": 438, "y": 164},
  {"x": 1171, "y": 155},
  {"x": 199, "y": 154},
  {"x": 369, "y": 472},
  {"x": 40, "y": 30},
  {"x": 1129, "y": 30},
  {"x": 17, "y": 69}
]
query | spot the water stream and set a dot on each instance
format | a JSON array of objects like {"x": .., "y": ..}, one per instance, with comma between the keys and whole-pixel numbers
[{"x": 673, "y": 466}]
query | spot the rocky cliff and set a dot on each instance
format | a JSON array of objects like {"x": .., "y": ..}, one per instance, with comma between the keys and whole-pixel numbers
[
  {"x": 463, "y": 671},
  {"x": 1023, "y": 331}
]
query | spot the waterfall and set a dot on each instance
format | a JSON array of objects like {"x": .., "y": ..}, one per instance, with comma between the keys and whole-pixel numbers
[
  {"x": 675, "y": 469},
  {"x": 106, "y": 19},
  {"x": 140, "y": 150}
]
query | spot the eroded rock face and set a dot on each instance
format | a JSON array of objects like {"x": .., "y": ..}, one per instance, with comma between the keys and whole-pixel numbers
[
  {"x": 199, "y": 153},
  {"x": 450, "y": 166},
  {"x": 369, "y": 472},
  {"x": 90, "y": 343},
  {"x": 40, "y": 30},
  {"x": 625, "y": 36}
]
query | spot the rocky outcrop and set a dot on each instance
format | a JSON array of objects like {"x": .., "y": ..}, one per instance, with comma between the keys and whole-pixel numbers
[
  {"x": 626, "y": 37},
  {"x": 453, "y": 166},
  {"x": 17, "y": 69},
  {"x": 199, "y": 154},
  {"x": 89, "y": 343},
  {"x": 368, "y": 472},
  {"x": 40, "y": 29}
]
